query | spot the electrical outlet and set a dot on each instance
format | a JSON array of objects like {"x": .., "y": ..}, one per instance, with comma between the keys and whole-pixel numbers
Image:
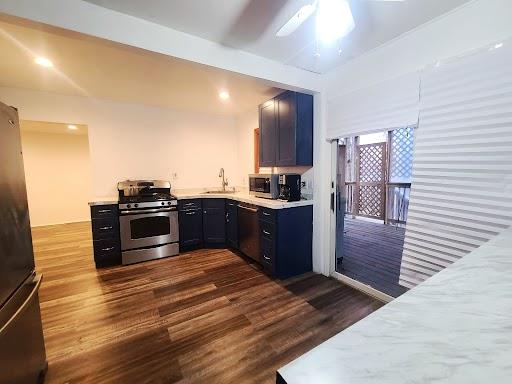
[{"x": 175, "y": 175}]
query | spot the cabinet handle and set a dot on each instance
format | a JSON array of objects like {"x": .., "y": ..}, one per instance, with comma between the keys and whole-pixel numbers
[
  {"x": 248, "y": 208},
  {"x": 107, "y": 249},
  {"x": 188, "y": 204},
  {"x": 105, "y": 228},
  {"x": 104, "y": 210},
  {"x": 190, "y": 213},
  {"x": 266, "y": 213},
  {"x": 266, "y": 232},
  {"x": 266, "y": 258}
]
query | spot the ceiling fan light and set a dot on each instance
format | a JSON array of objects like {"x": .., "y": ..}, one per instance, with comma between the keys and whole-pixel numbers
[{"x": 334, "y": 20}]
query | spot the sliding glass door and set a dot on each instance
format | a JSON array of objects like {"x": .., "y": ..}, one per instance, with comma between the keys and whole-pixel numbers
[{"x": 372, "y": 196}]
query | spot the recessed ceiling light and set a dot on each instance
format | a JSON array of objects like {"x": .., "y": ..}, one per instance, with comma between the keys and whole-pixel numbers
[
  {"x": 224, "y": 95},
  {"x": 44, "y": 62},
  {"x": 72, "y": 127}
]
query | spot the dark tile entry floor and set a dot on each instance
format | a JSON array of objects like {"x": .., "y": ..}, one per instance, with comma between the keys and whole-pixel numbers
[{"x": 372, "y": 254}]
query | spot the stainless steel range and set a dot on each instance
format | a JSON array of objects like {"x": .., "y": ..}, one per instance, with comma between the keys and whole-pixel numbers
[{"x": 148, "y": 219}]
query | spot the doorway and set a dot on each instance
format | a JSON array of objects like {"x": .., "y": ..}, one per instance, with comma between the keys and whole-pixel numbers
[
  {"x": 57, "y": 171},
  {"x": 373, "y": 187}
]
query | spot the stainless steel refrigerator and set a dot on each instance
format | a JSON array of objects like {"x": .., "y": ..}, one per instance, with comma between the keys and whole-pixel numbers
[{"x": 22, "y": 351}]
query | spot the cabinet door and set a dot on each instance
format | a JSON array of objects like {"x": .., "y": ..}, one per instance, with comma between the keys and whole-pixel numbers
[
  {"x": 214, "y": 221},
  {"x": 267, "y": 134},
  {"x": 191, "y": 227},
  {"x": 286, "y": 129},
  {"x": 231, "y": 224}
]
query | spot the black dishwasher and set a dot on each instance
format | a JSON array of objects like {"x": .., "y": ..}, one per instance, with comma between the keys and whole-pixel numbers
[{"x": 248, "y": 231}]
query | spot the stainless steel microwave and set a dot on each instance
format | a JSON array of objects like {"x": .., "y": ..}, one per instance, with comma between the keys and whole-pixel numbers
[{"x": 264, "y": 185}]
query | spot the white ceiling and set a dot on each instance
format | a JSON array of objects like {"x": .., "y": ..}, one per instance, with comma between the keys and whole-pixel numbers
[
  {"x": 250, "y": 25},
  {"x": 94, "y": 67}
]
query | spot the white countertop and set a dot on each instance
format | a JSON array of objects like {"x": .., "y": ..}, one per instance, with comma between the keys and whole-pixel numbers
[
  {"x": 105, "y": 200},
  {"x": 199, "y": 194},
  {"x": 454, "y": 328},
  {"x": 243, "y": 197}
]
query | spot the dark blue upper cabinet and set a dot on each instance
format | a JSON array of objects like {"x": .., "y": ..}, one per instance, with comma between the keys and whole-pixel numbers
[
  {"x": 267, "y": 134},
  {"x": 286, "y": 130}
]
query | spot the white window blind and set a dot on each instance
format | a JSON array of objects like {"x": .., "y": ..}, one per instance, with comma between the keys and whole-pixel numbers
[
  {"x": 390, "y": 104},
  {"x": 462, "y": 175}
]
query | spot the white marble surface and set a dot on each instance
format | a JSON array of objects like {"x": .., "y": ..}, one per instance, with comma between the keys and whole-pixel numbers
[
  {"x": 199, "y": 194},
  {"x": 242, "y": 197},
  {"x": 105, "y": 200},
  {"x": 454, "y": 328}
]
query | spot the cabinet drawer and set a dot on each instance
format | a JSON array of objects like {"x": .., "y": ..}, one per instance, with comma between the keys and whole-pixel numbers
[
  {"x": 107, "y": 252},
  {"x": 108, "y": 248},
  {"x": 214, "y": 203},
  {"x": 189, "y": 204},
  {"x": 104, "y": 211},
  {"x": 267, "y": 214},
  {"x": 106, "y": 228},
  {"x": 267, "y": 230},
  {"x": 267, "y": 253}
]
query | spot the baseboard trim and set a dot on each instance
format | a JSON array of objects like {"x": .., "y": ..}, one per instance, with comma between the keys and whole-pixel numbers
[{"x": 381, "y": 296}]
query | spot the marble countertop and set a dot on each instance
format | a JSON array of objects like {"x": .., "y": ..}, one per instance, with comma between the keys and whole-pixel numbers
[
  {"x": 454, "y": 328},
  {"x": 199, "y": 194},
  {"x": 243, "y": 197}
]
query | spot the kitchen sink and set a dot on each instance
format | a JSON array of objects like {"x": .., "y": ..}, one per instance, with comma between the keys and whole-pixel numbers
[{"x": 217, "y": 192}]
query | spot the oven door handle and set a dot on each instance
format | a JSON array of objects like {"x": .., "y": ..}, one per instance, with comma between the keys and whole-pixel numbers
[{"x": 136, "y": 212}]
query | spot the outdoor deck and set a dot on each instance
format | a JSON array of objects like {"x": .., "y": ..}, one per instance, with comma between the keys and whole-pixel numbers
[{"x": 372, "y": 254}]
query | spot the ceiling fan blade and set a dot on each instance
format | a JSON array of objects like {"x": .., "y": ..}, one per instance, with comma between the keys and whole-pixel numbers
[{"x": 296, "y": 20}]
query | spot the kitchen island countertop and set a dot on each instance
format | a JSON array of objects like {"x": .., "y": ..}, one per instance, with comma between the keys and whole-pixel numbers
[{"x": 454, "y": 328}]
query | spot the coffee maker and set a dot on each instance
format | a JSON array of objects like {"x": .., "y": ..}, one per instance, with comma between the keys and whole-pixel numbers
[{"x": 289, "y": 187}]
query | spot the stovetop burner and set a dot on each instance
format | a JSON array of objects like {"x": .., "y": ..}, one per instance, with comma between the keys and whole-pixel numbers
[{"x": 147, "y": 198}]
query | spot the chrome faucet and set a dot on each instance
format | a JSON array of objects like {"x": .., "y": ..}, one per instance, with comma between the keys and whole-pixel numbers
[{"x": 224, "y": 180}]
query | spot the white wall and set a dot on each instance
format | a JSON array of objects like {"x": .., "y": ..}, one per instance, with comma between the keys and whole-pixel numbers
[
  {"x": 129, "y": 141},
  {"x": 245, "y": 124},
  {"x": 58, "y": 177},
  {"x": 471, "y": 26}
]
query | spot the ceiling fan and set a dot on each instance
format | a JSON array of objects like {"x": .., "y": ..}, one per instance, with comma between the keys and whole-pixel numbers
[{"x": 333, "y": 19}]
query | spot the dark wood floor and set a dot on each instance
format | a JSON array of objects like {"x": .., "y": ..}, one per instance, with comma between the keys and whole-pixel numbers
[
  {"x": 372, "y": 254},
  {"x": 207, "y": 316}
]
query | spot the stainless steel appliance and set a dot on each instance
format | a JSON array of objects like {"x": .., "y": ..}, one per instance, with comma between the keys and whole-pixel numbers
[
  {"x": 148, "y": 220},
  {"x": 289, "y": 187},
  {"x": 264, "y": 185},
  {"x": 22, "y": 351},
  {"x": 249, "y": 231}
]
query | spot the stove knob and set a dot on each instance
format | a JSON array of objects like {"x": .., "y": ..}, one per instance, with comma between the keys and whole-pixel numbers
[
  {"x": 129, "y": 206},
  {"x": 136, "y": 205},
  {"x": 168, "y": 203},
  {"x": 163, "y": 203}
]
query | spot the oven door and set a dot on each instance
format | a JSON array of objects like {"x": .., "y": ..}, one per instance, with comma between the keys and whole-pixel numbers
[{"x": 147, "y": 228}]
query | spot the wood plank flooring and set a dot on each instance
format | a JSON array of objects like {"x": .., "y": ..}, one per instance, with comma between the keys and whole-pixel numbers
[
  {"x": 372, "y": 254},
  {"x": 207, "y": 316}
]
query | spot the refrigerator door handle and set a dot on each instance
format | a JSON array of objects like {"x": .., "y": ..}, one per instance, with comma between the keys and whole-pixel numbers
[{"x": 37, "y": 283}]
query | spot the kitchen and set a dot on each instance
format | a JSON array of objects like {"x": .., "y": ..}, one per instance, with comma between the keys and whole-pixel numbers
[{"x": 174, "y": 191}]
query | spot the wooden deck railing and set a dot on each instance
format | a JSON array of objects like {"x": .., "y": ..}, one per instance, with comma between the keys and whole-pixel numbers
[{"x": 397, "y": 201}]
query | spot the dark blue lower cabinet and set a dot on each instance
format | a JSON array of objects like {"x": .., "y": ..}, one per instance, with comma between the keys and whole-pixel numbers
[
  {"x": 214, "y": 222},
  {"x": 191, "y": 227},
  {"x": 232, "y": 224},
  {"x": 105, "y": 235},
  {"x": 284, "y": 236},
  {"x": 286, "y": 241}
]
